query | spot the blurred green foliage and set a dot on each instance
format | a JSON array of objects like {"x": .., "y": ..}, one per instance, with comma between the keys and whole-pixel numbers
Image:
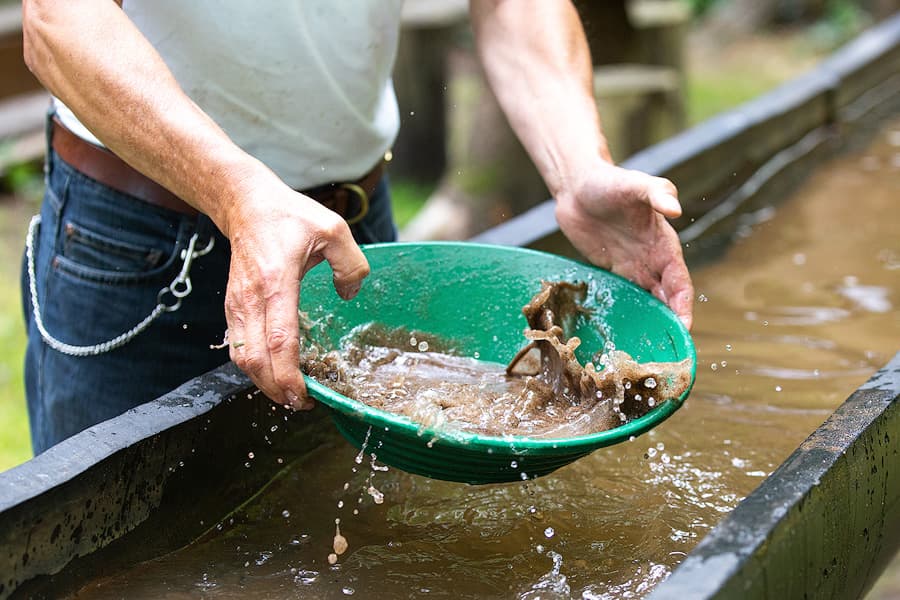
[
  {"x": 25, "y": 180},
  {"x": 15, "y": 444},
  {"x": 711, "y": 93},
  {"x": 407, "y": 198},
  {"x": 841, "y": 20},
  {"x": 701, "y": 7}
]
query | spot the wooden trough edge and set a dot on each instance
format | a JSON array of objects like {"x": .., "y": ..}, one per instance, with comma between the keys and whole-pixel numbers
[
  {"x": 823, "y": 525},
  {"x": 162, "y": 473}
]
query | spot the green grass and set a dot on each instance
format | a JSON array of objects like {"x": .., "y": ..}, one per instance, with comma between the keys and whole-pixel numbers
[
  {"x": 15, "y": 442},
  {"x": 709, "y": 94},
  {"x": 407, "y": 198},
  {"x": 15, "y": 445}
]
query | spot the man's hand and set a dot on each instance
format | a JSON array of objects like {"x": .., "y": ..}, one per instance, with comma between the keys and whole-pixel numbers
[
  {"x": 276, "y": 236},
  {"x": 537, "y": 60},
  {"x": 616, "y": 219}
]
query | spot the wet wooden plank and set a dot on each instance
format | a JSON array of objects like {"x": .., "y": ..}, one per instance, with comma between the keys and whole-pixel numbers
[
  {"x": 164, "y": 473},
  {"x": 824, "y": 524}
]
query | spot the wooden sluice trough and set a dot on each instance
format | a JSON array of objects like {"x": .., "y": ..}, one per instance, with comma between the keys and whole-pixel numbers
[{"x": 823, "y": 525}]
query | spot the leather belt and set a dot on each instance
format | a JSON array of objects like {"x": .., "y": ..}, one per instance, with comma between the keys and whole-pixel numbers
[{"x": 350, "y": 199}]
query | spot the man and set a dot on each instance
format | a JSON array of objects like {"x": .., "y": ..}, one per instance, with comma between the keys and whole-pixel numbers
[{"x": 230, "y": 107}]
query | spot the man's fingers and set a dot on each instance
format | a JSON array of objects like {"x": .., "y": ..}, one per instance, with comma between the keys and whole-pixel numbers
[
  {"x": 283, "y": 346},
  {"x": 253, "y": 356},
  {"x": 679, "y": 291},
  {"x": 235, "y": 334},
  {"x": 347, "y": 261}
]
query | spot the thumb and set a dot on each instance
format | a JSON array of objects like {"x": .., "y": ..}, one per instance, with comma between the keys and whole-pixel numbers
[
  {"x": 664, "y": 203},
  {"x": 348, "y": 263}
]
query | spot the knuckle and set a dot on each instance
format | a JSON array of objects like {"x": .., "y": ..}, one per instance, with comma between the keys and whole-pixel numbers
[
  {"x": 252, "y": 362},
  {"x": 359, "y": 272},
  {"x": 278, "y": 340},
  {"x": 333, "y": 227}
]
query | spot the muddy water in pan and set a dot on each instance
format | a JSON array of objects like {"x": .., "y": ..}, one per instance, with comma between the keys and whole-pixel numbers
[{"x": 798, "y": 314}]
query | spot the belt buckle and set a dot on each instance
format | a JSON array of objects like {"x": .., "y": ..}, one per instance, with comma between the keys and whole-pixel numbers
[{"x": 357, "y": 189}]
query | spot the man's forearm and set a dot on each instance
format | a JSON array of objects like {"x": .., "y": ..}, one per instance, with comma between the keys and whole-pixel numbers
[
  {"x": 91, "y": 56},
  {"x": 537, "y": 61}
]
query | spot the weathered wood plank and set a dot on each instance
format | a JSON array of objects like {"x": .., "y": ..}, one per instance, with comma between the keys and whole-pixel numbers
[{"x": 824, "y": 524}]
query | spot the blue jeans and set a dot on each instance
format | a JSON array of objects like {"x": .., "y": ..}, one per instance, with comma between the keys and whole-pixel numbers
[{"x": 101, "y": 258}]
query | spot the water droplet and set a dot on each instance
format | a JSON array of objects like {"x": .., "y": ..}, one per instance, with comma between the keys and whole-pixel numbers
[
  {"x": 649, "y": 383},
  {"x": 285, "y": 513},
  {"x": 377, "y": 496},
  {"x": 549, "y": 532},
  {"x": 413, "y": 341},
  {"x": 332, "y": 558},
  {"x": 724, "y": 363},
  {"x": 702, "y": 298},
  {"x": 651, "y": 452},
  {"x": 728, "y": 347},
  {"x": 777, "y": 388},
  {"x": 250, "y": 455},
  {"x": 514, "y": 464},
  {"x": 347, "y": 590},
  {"x": 714, "y": 366},
  {"x": 651, "y": 402},
  {"x": 477, "y": 355},
  {"x": 423, "y": 346}
]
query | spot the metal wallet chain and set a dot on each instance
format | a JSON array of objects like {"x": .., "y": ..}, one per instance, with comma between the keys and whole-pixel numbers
[{"x": 178, "y": 289}]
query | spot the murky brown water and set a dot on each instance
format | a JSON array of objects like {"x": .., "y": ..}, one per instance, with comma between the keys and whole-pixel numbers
[
  {"x": 797, "y": 315},
  {"x": 544, "y": 392}
]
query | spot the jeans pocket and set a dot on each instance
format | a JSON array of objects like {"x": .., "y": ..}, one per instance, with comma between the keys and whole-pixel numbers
[
  {"x": 114, "y": 255},
  {"x": 86, "y": 247}
]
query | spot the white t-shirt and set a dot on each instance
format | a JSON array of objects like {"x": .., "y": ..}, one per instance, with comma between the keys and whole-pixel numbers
[{"x": 303, "y": 85}]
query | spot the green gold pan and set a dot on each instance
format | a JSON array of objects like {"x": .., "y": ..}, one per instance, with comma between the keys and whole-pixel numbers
[{"x": 472, "y": 295}]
